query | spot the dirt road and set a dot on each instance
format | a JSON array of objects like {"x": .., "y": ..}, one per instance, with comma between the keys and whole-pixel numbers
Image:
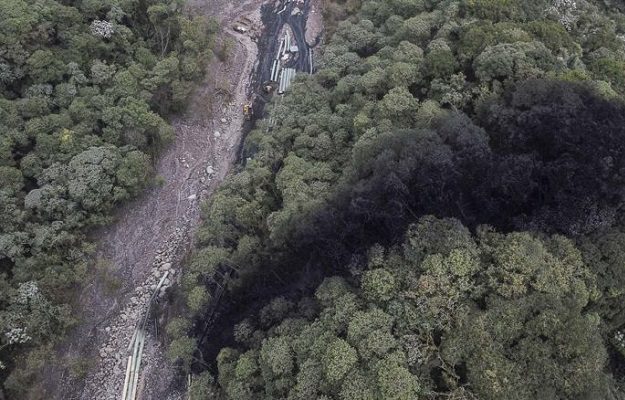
[{"x": 152, "y": 234}]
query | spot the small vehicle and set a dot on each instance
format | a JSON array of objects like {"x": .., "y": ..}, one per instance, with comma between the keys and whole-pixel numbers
[{"x": 248, "y": 111}]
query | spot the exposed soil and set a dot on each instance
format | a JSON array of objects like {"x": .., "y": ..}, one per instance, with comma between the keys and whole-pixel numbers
[
  {"x": 154, "y": 233},
  {"x": 314, "y": 25},
  {"x": 215, "y": 330}
]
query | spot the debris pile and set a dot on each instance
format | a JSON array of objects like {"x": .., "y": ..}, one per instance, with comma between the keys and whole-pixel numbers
[{"x": 123, "y": 338}]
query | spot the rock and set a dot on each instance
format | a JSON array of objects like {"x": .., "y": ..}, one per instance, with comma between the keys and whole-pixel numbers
[
  {"x": 165, "y": 266},
  {"x": 223, "y": 120},
  {"x": 217, "y": 134},
  {"x": 210, "y": 170},
  {"x": 192, "y": 197},
  {"x": 123, "y": 317},
  {"x": 107, "y": 329}
]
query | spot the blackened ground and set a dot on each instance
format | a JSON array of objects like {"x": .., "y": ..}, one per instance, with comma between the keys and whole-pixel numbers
[
  {"x": 270, "y": 39},
  {"x": 247, "y": 303},
  {"x": 551, "y": 159},
  {"x": 268, "y": 43}
]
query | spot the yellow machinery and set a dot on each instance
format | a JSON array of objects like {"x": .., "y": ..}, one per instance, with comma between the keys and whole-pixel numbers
[{"x": 248, "y": 111}]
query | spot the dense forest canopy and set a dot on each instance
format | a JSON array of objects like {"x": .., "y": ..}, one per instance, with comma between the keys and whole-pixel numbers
[
  {"x": 436, "y": 213},
  {"x": 84, "y": 87},
  {"x": 435, "y": 312}
]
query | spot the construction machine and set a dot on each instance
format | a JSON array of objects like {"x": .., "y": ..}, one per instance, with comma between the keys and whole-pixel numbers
[{"x": 248, "y": 111}]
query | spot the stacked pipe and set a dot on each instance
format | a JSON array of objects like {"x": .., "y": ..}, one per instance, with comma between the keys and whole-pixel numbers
[
  {"x": 274, "y": 71},
  {"x": 280, "y": 50},
  {"x": 287, "y": 43},
  {"x": 288, "y": 74}
]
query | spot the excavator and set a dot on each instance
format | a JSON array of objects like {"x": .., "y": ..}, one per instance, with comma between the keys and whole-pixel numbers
[{"x": 248, "y": 111}]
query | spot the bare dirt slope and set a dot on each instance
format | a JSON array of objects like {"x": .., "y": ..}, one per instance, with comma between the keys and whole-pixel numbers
[{"x": 152, "y": 234}]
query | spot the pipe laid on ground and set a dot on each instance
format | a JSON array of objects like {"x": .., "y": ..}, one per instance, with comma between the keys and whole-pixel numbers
[
  {"x": 136, "y": 343},
  {"x": 287, "y": 82},
  {"x": 125, "y": 392},
  {"x": 273, "y": 70},
  {"x": 158, "y": 287},
  {"x": 138, "y": 366},
  {"x": 280, "y": 49},
  {"x": 284, "y": 78},
  {"x": 292, "y": 76},
  {"x": 277, "y": 68},
  {"x": 289, "y": 78},
  {"x": 133, "y": 367},
  {"x": 132, "y": 339}
]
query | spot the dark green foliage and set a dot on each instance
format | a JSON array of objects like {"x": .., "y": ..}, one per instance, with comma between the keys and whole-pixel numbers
[
  {"x": 604, "y": 251},
  {"x": 84, "y": 89},
  {"x": 537, "y": 347},
  {"x": 508, "y": 312}
]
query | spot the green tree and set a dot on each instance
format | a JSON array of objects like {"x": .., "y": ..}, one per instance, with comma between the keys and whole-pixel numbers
[
  {"x": 517, "y": 61},
  {"x": 534, "y": 347},
  {"x": 339, "y": 358}
]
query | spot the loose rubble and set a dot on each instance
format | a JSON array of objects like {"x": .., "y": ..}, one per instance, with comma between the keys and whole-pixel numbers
[{"x": 113, "y": 352}]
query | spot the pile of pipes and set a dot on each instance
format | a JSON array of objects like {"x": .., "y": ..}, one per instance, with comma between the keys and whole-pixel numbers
[
  {"x": 285, "y": 79},
  {"x": 279, "y": 74}
]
